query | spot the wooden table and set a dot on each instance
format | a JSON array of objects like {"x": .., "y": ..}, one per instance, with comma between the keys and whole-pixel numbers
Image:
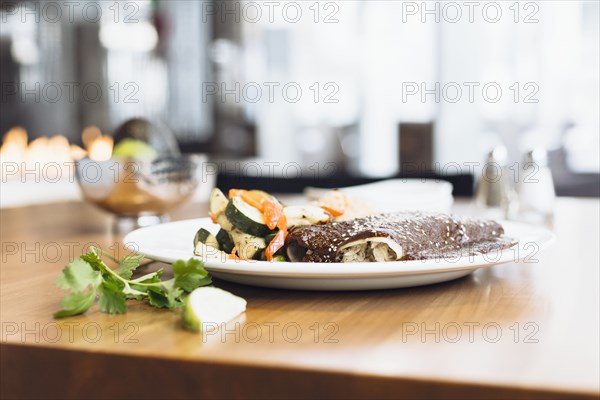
[{"x": 527, "y": 330}]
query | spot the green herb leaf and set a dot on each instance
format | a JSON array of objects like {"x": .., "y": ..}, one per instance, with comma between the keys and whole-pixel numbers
[
  {"x": 135, "y": 293},
  {"x": 112, "y": 298},
  {"x": 157, "y": 298},
  {"x": 77, "y": 276},
  {"x": 128, "y": 265},
  {"x": 165, "y": 294},
  {"x": 138, "y": 288},
  {"x": 114, "y": 287},
  {"x": 173, "y": 293},
  {"x": 152, "y": 277},
  {"x": 190, "y": 275},
  {"x": 76, "y": 303}
]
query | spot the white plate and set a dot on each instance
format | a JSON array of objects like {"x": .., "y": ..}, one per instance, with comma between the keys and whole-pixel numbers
[{"x": 173, "y": 241}]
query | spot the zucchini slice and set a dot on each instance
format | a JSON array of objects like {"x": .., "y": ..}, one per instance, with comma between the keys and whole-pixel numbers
[
  {"x": 218, "y": 201},
  {"x": 260, "y": 255},
  {"x": 204, "y": 236},
  {"x": 206, "y": 245},
  {"x": 225, "y": 224},
  {"x": 207, "y": 251},
  {"x": 247, "y": 246},
  {"x": 305, "y": 215},
  {"x": 246, "y": 218},
  {"x": 269, "y": 238},
  {"x": 225, "y": 242}
]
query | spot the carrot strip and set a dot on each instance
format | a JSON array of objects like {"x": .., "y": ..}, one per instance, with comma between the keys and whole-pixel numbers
[
  {"x": 332, "y": 211},
  {"x": 282, "y": 223},
  {"x": 236, "y": 192},
  {"x": 253, "y": 199},
  {"x": 234, "y": 256},
  {"x": 276, "y": 244},
  {"x": 272, "y": 213}
]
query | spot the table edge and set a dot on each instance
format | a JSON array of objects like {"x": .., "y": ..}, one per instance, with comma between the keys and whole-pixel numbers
[{"x": 19, "y": 361}]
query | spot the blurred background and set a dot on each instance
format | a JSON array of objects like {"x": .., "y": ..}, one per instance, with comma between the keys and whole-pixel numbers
[{"x": 337, "y": 91}]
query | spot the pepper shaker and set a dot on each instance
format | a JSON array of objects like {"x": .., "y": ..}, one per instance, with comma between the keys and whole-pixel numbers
[{"x": 494, "y": 194}]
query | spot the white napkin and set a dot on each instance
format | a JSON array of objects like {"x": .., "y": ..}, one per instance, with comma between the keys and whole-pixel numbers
[{"x": 399, "y": 195}]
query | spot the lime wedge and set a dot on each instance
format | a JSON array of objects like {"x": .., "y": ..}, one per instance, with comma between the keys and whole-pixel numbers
[
  {"x": 208, "y": 307},
  {"x": 133, "y": 148}
]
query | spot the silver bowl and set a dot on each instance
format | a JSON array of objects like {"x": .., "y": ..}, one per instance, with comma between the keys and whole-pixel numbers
[{"x": 139, "y": 191}]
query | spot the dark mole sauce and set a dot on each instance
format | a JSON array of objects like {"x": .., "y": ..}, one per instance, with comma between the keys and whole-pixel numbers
[{"x": 421, "y": 235}]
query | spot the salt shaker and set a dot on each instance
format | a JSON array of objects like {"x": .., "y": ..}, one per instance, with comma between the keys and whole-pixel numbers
[
  {"x": 535, "y": 188},
  {"x": 494, "y": 194}
]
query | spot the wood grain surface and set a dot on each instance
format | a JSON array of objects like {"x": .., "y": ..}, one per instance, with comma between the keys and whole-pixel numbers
[{"x": 519, "y": 330}]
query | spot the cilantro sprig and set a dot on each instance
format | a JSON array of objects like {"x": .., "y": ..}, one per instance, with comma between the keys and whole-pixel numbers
[{"x": 88, "y": 278}]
